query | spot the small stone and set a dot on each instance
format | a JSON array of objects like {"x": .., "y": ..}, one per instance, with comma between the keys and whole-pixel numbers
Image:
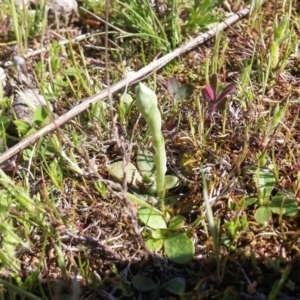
[
  {"x": 62, "y": 8},
  {"x": 25, "y": 102}
]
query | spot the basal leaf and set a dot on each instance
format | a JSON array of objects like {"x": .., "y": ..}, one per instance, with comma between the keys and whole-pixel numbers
[
  {"x": 281, "y": 204},
  {"x": 143, "y": 283},
  {"x": 154, "y": 244},
  {"x": 160, "y": 234},
  {"x": 176, "y": 285},
  {"x": 263, "y": 215},
  {"x": 179, "y": 248},
  {"x": 176, "y": 222},
  {"x": 152, "y": 219},
  {"x": 171, "y": 182}
]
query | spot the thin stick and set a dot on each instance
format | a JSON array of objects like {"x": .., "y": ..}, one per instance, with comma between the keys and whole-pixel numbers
[{"x": 129, "y": 80}]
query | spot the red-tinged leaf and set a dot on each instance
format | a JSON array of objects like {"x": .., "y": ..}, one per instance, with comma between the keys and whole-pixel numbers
[
  {"x": 214, "y": 84},
  {"x": 219, "y": 105},
  {"x": 208, "y": 94},
  {"x": 172, "y": 86},
  {"x": 226, "y": 91},
  {"x": 212, "y": 108}
]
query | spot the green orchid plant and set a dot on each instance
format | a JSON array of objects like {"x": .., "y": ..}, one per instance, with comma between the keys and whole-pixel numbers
[
  {"x": 150, "y": 174},
  {"x": 149, "y": 183}
]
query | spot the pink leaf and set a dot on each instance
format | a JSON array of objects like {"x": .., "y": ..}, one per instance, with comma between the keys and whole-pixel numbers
[
  {"x": 226, "y": 91},
  {"x": 208, "y": 94}
]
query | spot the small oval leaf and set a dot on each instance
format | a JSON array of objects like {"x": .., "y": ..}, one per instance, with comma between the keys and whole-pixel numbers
[
  {"x": 154, "y": 244},
  {"x": 176, "y": 286},
  {"x": 263, "y": 215},
  {"x": 179, "y": 248},
  {"x": 176, "y": 222},
  {"x": 151, "y": 219},
  {"x": 143, "y": 283},
  {"x": 283, "y": 205},
  {"x": 171, "y": 182},
  {"x": 160, "y": 234}
]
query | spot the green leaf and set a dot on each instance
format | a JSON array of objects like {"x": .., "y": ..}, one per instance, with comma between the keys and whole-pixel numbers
[
  {"x": 143, "y": 283},
  {"x": 274, "y": 51},
  {"x": 171, "y": 182},
  {"x": 176, "y": 285},
  {"x": 283, "y": 205},
  {"x": 179, "y": 248},
  {"x": 225, "y": 240},
  {"x": 278, "y": 115},
  {"x": 138, "y": 200},
  {"x": 72, "y": 71},
  {"x": 282, "y": 29},
  {"x": 176, "y": 222},
  {"x": 40, "y": 114},
  {"x": 4, "y": 122},
  {"x": 160, "y": 233},
  {"x": 28, "y": 154},
  {"x": 146, "y": 102},
  {"x": 263, "y": 215},
  {"x": 244, "y": 222},
  {"x": 22, "y": 126},
  {"x": 232, "y": 226},
  {"x": 151, "y": 219},
  {"x": 265, "y": 181},
  {"x": 145, "y": 163},
  {"x": 55, "y": 173},
  {"x": 100, "y": 187},
  {"x": 30, "y": 132},
  {"x": 250, "y": 201},
  {"x": 154, "y": 244}
]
